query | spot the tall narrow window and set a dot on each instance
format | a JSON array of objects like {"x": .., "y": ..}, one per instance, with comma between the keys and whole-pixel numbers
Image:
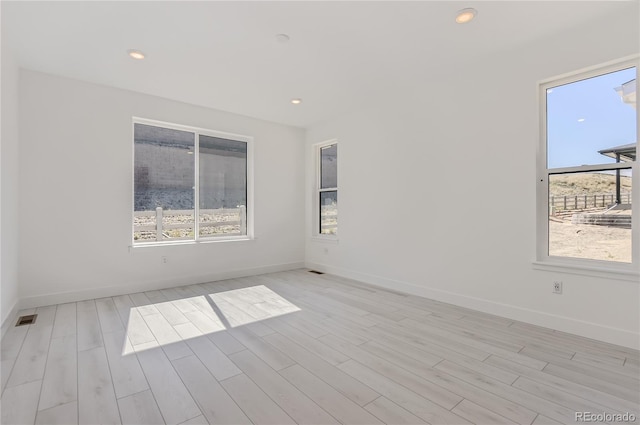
[
  {"x": 189, "y": 184},
  {"x": 328, "y": 189},
  {"x": 590, "y": 142}
]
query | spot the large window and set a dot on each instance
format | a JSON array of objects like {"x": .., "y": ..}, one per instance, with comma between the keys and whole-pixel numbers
[
  {"x": 189, "y": 184},
  {"x": 589, "y": 143},
  {"x": 327, "y": 188}
]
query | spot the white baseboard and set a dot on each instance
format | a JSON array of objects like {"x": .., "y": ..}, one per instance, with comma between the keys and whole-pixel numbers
[
  {"x": 540, "y": 318},
  {"x": 111, "y": 291},
  {"x": 8, "y": 318}
]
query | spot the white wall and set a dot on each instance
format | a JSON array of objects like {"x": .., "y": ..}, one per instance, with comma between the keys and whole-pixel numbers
[
  {"x": 415, "y": 170},
  {"x": 9, "y": 184},
  {"x": 76, "y": 159}
]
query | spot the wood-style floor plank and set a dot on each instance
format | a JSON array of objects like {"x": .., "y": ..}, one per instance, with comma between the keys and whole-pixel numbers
[
  {"x": 477, "y": 340},
  {"x": 96, "y": 397},
  {"x": 338, "y": 406},
  {"x": 204, "y": 322},
  {"x": 295, "y": 347},
  {"x": 32, "y": 358},
  {"x": 198, "y": 420},
  {"x": 591, "y": 382},
  {"x": 390, "y": 413},
  {"x": 392, "y": 333},
  {"x": 89, "y": 331},
  {"x": 528, "y": 400},
  {"x": 10, "y": 348},
  {"x": 155, "y": 296},
  {"x": 615, "y": 366},
  {"x": 19, "y": 403},
  {"x": 301, "y": 408},
  {"x": 543, "y": 420},
  {"x": 63, "y": 414},
  {"x": 328, "y": 353},
  {"x": 272, "y": 356},
  {"x": 416, "y": 383},
  {"x": 137, "y": 329},
  {"x": 140, "y": 409},
  {"x": 552, "y": 394},
  {"x": 422, "y": 367},
  {"x": 174, "y": 400},
  {"x": 209, "y": 354},
  {"x": 413, "y": 402},
  {"x": 214, "y": 402},
  {"x": 348, "y": 386},
  {"x": 578, "y": 343},
  {"x": 618, "y": 379},
  {"x": 257, "y": 405},
  {"x": 304, "y": 323},
  {"x": 171, "y": 313},
  {"x": 60, "y": 383},
  {"x": 225, "y": 342},
  {"x": 65, "y": 321},
  {"x": 143, "y": 304},
  {"x": 126, "y": 372},
  {"x": 478, "y": 414},
  {"x": 167, "y": 336},
  {"x": 567, "y": 386},
  {"x": 213, "y": 310},
  {"x": 108, "y": 315}
]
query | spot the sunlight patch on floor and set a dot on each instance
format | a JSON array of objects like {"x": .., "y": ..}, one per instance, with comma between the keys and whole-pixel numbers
[{"x": 216, "y": 311}]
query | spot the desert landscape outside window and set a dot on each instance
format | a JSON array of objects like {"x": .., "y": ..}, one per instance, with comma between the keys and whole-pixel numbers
[{"x": 591, "y": 143}]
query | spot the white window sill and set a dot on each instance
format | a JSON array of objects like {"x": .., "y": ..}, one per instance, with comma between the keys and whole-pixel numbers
[
  {"x": 588, "y": 270},
  {"x": 200, "y": 242},
  {"x": 325, "y": 239}
]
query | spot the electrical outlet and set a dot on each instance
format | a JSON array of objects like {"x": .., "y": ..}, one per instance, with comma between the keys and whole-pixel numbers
[
  {"x": 557, "y": 287},
  {"x": 326, "y": 251},
  {"x": 164, "y": 260}
]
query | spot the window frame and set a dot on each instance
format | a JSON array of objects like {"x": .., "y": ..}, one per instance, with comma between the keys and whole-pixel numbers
[
  {"x": 591, "y": 267},
  {"x": 318, "y": 190},
  {"x": 197, "y": 239}
]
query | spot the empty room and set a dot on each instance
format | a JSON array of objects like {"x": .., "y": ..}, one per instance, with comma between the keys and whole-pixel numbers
[{"x": 174, "y": 249}]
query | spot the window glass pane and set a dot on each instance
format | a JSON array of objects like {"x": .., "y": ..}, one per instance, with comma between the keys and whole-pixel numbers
[
  {"x": 592, "y": 121},
  {"x": 223, "y": 187},
  {"x": 329, "y": 212},
  {"x": 164, "y": 173},
  {"x": 329, "y": 167},
  {"x": 590, "y": 215}
]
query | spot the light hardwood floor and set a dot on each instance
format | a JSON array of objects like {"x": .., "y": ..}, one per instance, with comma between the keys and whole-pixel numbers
[{"x": 295, "y": 347}]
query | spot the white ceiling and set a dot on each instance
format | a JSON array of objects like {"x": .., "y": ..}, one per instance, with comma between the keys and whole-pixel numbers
[{"x": 224, "y": 55}]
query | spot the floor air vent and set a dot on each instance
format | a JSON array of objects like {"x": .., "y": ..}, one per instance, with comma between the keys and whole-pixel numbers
[
  {"x": 27, "y": 320},
  {"x": 315, "y": 271}
]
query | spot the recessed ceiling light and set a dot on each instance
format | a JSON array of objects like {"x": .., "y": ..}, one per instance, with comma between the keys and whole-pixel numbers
[
  {"x": 465, "y": 15},
  {"x": 296, "y": 101},
  {"x": 135, "y": 54},
  {"x": 282, "y": 38}
]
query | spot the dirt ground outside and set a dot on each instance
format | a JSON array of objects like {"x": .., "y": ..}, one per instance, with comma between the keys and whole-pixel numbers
[{"x": 589, "y": 241}]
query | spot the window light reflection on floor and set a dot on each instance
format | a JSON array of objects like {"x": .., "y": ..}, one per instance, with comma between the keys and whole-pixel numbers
[{"x": 206, "y": 314}]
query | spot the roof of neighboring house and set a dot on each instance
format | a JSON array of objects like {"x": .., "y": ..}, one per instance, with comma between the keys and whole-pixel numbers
[
  {"x": 627, "y": 92},
  {"x": 627, "y": 152}
]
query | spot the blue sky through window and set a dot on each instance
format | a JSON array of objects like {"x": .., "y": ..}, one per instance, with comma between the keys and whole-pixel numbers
[{"x": 587, "y": 116}]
